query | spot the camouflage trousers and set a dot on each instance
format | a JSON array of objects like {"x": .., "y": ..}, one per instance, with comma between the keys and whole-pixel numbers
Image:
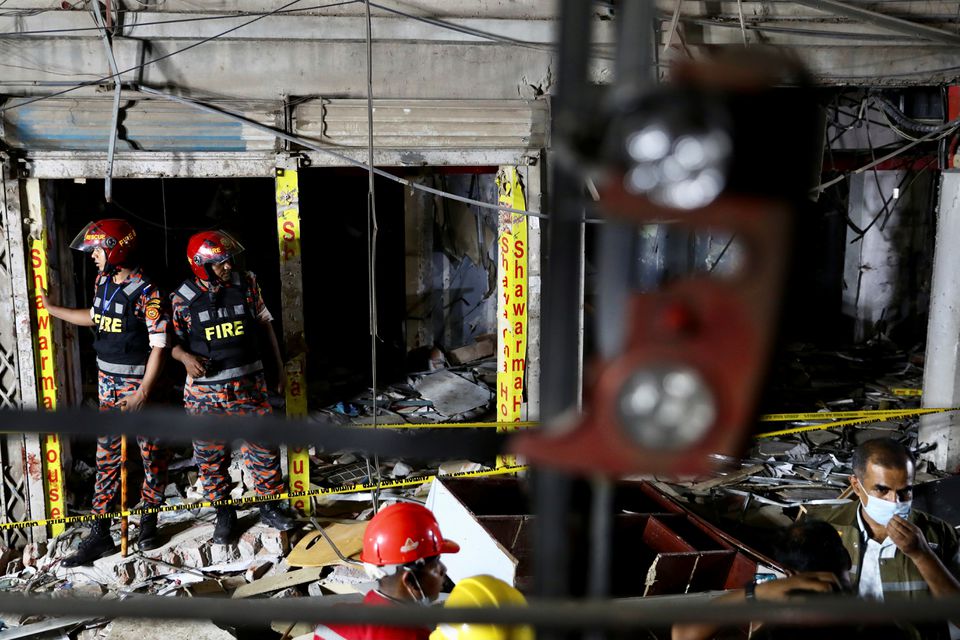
[
  {"x": 244, "y": 396},
  {"x": 112, "y": 389}
]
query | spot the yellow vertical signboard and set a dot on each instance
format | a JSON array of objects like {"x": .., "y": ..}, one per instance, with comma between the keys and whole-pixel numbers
[
  {"x": 512, "y": 250},
  {"x": 288, "y": 232},
  {"x": 47, "y": 380}
]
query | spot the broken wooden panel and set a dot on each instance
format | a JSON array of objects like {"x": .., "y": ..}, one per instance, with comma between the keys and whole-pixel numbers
[
  {"x": 514, "y": 534},
  {"x": 314, "y": 550},
  {"x": 662, "y": 538},
  {"x": 741, "y": 572},
  {"x": 715, "y": 567},
  {"x": 669, "y": 573},
  {"x": 458, "y": 515},
  {"x": 640, "y": 497},
  {"x": 492, "y": 497},
  {"x": 660, "y": 547}
]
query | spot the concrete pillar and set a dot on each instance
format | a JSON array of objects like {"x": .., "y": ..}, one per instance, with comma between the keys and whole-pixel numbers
[
  {"x": 535, "y": 182},
  {"x": 287, "y": 185},
  {"x": 941, "y": 375},
  {"x": 418, "y": 263},
  {"x": 885, "y": 270}
]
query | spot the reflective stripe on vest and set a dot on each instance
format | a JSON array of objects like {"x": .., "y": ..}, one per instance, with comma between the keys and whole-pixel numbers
[
  {"x": 324, "y": 632},
  {"x": 229, "y": 374},
  {"x": 122, "y": 369},
  {"x": 121, "y": 338}
]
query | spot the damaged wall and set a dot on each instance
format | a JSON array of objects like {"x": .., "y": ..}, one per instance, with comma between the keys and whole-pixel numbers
[
  {"x": 887, "y": 268},
  {"x": 451, "y": 263}
]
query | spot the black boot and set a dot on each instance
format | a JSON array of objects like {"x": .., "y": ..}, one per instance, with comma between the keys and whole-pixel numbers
[
  {"x": 275, "y": 514},
  {"x": 148, "y": 538},
  {"x": 226, "y": 529},
  {"x": 96, "y": 545}
]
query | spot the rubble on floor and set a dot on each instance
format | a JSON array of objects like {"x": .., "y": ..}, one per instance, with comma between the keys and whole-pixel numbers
[
  {"x": 779, "y": 475},
  {"x": 261, "y": 563},
  {"x": 674, "y": 550},
  {"x": 460, "y": 392}
]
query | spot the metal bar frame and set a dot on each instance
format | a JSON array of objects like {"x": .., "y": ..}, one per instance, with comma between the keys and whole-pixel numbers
[
  {"x": 25, "y": 453},
  {"x": 117, "y": 89},
  {"x": 896, "y": 25},
  {"x": 545, "y": 614}
]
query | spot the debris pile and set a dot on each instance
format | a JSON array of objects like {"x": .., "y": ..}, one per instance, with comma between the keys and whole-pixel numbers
[{"x": 811, "y": 464}]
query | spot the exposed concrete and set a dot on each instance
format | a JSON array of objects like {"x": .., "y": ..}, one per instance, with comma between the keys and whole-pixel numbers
[
  {"x": 126, "y": 629},
  {"x": 260, "y": 69},
  {"x": 71, "y": 164},
  {"x": 941, "y": 375},
  {"x": 885, "y": 271},
  {"x": 188, "y": 548},
  {"x": 418, "y": 273}
]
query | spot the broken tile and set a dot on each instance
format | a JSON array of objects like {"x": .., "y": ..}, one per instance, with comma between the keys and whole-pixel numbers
[
  {"x": 128, "y": 629},
  {"x": 451, "y": 394}
]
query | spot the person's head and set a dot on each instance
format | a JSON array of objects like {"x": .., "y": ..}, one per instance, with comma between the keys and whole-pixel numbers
[
  {"x": 111, "y": 244},
  {"x": 814, "y": 545},
  {"x": 483, "y": 591},
  {"x": 401, "y": 549},
  {"x": 211, "y": 255},
  {"x": 883, "y": 473}
]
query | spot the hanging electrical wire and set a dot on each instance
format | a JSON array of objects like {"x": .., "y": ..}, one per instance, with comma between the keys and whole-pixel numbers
[
  {"x": 950, "y": 126},
  {"x": 372, "y": 230},
  {"x": 116, "y": 76},
  {"x": 219, "y": 16}
]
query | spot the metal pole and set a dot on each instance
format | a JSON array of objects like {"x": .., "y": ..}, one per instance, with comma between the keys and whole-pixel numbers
[
  {"x": 551, "y": 491},
  {"x": 124, "y": 523},
  {"x": 896, "y": 25},
  {"x": 115, "y": 70}
]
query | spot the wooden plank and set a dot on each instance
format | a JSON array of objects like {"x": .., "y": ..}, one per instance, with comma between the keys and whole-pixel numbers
[
  {"x": 314, "y": 551},
  {"x": 277, "y": 583}
]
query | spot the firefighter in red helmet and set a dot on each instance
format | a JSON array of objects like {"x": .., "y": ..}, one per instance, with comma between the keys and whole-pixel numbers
[
  {"x": 224, "y": 331},
  {"x": 130, "y": 319},
  {"x": 401, "y": 550}
]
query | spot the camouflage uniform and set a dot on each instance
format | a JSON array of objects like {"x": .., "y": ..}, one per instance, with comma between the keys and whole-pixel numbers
[
  {"x": 242, "y": 395},
  {"x": 150, "y": 308}
]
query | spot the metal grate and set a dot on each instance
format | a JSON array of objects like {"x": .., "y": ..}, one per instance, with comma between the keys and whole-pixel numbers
[{"x": 13, "y": 501}]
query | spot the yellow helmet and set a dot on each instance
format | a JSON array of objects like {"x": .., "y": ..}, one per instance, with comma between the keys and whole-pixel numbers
[{"x": 483, "y": 591}]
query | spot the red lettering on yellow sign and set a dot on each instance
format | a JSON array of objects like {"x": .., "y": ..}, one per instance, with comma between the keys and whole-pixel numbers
[{"x": 46, "y": 375}]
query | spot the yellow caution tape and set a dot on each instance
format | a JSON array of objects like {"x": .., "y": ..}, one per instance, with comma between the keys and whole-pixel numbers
[
  {"x": 451, "y": 425},
  {"x": 876, "y": 414},
  {"x": 907, "y": 393},
  {"x": 815, "y": 427},
  {"x": 859, "y": 417},
  {"x": 346, "y": 488}
]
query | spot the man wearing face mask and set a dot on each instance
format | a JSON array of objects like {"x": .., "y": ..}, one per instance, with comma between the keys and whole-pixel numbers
[
  {"x": 401, "y": 550},
  {"x": 898, "y": 552}
]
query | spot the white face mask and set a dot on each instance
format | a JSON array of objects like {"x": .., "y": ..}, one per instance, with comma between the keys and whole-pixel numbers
[{"x": 882, "y": 511}]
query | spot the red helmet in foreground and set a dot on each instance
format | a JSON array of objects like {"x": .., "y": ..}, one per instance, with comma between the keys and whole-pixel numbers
[
  {"x": 209, "y": 248},
  {"x": 403, "y": 533},
  {"x": 116, "y": 237}
]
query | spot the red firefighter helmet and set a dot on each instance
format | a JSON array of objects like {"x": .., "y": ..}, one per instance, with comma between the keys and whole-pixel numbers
[
  {"x": 403, "y": 533},
  {"x": 116, "y": 237},
  {"x": 211, "y": 247}
]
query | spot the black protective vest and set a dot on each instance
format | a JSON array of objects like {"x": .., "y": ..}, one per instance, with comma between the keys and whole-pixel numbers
[
  {"x": 122, "y": 342},
  {"x": 223, "y": 330}
]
